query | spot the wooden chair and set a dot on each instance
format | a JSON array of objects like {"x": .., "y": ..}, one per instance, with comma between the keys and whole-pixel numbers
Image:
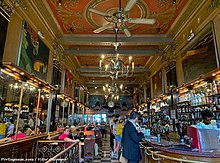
[
  {"x": 89, "y": 133},
  {"x": 89, "y": 149}
]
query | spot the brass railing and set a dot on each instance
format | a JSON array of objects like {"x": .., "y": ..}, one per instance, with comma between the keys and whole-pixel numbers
[
  {"x": 57, "y": 151},
  {"x": 69, "y": 154},
  {"x": 22, "y": 149},
  {"x": 157, "y": 156}
]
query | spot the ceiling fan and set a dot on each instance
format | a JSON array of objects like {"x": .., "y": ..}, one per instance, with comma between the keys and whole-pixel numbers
[{"x": 121, "y": 17}]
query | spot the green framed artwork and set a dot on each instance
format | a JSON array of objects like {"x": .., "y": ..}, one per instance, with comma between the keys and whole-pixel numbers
[{"x": 34, "y": 54}]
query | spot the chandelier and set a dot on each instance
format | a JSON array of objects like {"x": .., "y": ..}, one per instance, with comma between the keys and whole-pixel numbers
[
  {"x": 113, "y": 65},
  {"x": 113, "y": 91}
]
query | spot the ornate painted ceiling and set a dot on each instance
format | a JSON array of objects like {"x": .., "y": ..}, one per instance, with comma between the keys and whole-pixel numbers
[
  {"x": 74, "y": 17},
  {"x": 76, "y": 24}
]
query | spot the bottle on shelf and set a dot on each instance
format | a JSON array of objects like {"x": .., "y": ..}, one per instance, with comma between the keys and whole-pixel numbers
[
  {"x": 214, "y": 87},
  {"x": 203, "y": 98},
  {"x": 218, "y": 86},
  {"x": 158, "y": 138}
]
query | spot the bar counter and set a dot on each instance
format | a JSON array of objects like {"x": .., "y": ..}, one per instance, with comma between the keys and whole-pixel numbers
[{"x": 172, "y": 152}]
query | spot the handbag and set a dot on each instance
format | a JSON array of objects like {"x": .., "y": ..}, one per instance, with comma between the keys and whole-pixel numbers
[{"x": 122, "y": 159}]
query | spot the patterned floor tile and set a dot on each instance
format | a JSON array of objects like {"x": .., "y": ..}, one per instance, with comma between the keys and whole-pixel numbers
[{"x": 104, "y": 154}]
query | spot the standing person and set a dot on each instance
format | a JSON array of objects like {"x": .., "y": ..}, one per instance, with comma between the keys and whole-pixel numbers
[
  {"x": 38, "y": 122},
  {"x": 102, "y": 129},
  {"x": 20, "y": 122},
  {"x": 2, "y": 129},
  {"x": 31, "y": 122},
  {"x": 206, "y": 117},
  {"x": 64, "y": 136},
  {"x": 112, "y": 137},
  {"x": 112, "y": 121},
  {"x": 118, "y": 136},
  {"x": 131, "y": 138},
  {"x": 114, "y": 133}
]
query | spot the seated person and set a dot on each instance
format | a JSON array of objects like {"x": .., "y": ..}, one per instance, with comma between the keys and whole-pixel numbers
[
  {"x": 75, "y": 134},
  {"x": 34, "y": 133},
  {"x": 64, "y": 136},
  {"x": 20, "y": 134},
  {"x": 28, "y": 131}
]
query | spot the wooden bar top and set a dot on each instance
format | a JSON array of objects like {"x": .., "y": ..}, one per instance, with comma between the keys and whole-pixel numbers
[
  {"x": 178, "y": 148},
  {"x": 175, "y": 152}
]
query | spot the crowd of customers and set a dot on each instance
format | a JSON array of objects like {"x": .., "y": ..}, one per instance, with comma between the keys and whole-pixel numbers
[
  {"x": 25, "y": 128},
  {"x": 124, "y": 134}
]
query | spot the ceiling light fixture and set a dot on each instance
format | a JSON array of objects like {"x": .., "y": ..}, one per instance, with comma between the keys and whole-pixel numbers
[
  {"x": 113, "y": 65},
  {"x": 113, "y": 91},
  {"x": 40, "y": 34},
  {"x": 59, "y": 2},
  {"x": 19, "y": 3}
]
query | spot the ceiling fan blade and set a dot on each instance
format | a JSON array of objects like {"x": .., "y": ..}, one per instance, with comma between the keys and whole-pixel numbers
[
  {"x": 126, "y": 30},
  {"x": 141, "y": 20},
  {"x": 99, "y": 12},
  {"x": 129, "y": 5},
  {"x": 104, "y": 27}
]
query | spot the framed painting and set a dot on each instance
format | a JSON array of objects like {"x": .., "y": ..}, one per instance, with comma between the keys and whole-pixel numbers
[
  {"x": 157, "y": 80},
  {"x": 33, "y": 54},
  {"x": 69, "y": 84},
  {"x": 201, "y": 57}
]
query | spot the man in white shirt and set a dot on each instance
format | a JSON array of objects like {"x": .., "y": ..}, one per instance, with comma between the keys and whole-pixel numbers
[
  {"x": 10, "y": 129},
  {"x": 31, "y": 122}
]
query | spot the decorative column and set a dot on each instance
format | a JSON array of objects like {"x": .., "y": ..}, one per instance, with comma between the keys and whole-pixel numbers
[
  {"x": 38, "y": 103},
  {"x": 63, "y": 106},
  {"x": 49, "y": 112},
  {"x": 68, "y": 113},
  {"x": 145, "y": 93},
  {"x": 73, "y": 115},
  {"x": 19, "y": 109}
]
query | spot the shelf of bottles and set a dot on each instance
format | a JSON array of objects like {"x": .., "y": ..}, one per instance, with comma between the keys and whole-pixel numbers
[
  {"x": 159, "y": 107},
  {"x": 201, "y": 95}
]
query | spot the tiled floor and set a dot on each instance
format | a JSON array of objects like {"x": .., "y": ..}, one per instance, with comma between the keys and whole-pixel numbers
[{"x": 105, "y": 152}]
